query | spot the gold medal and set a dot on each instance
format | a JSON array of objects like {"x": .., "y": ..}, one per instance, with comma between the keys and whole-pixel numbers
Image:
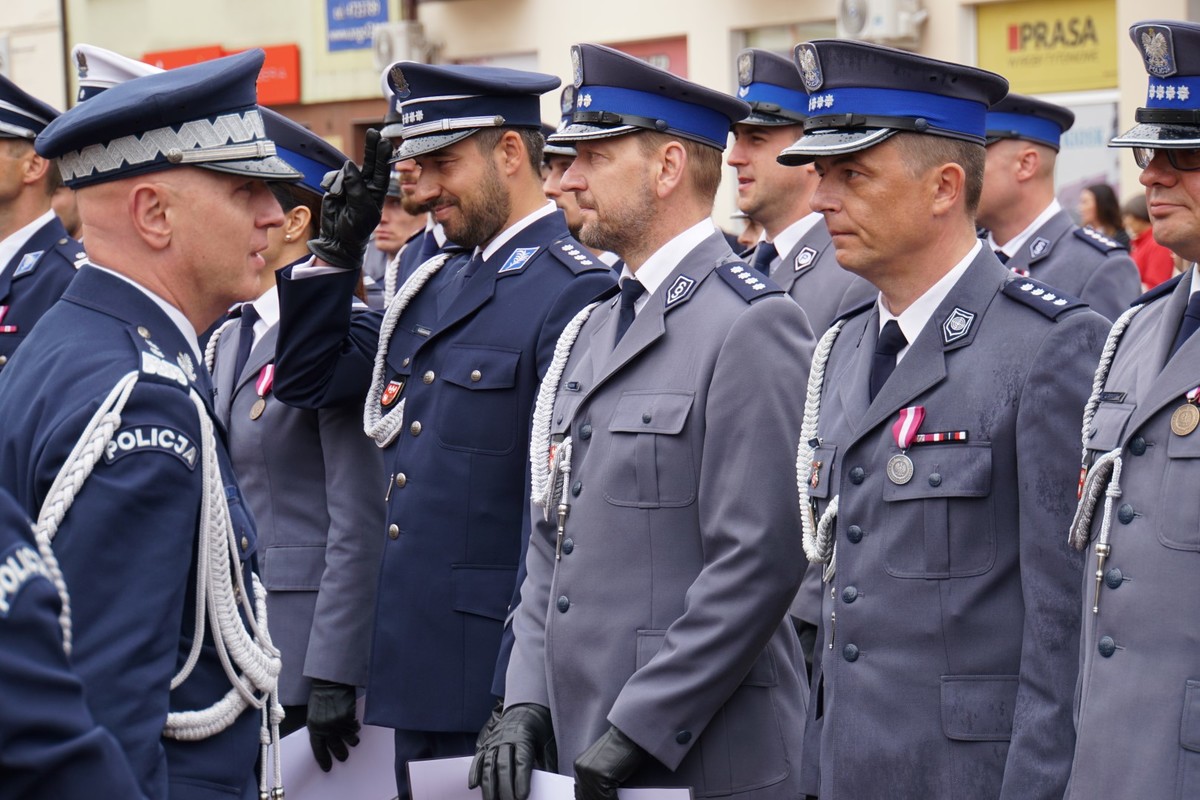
[
  {"x": 900, "y": 469},
  {"x": 257, "y": 409},
  {"x": 1185, "y": 419}
]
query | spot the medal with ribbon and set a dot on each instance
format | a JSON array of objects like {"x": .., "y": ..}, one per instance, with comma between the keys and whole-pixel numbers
[
  {"x": 904, "y": 431},
  {"x": 262, "y": 386},
  {"x": 6, "y": 328},
  {"x": 1187, "y": 416}
]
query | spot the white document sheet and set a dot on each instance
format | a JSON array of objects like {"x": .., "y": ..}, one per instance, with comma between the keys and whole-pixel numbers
[
  {"x": 446, "y": 779},
  {"x": 368, "y": 774}
]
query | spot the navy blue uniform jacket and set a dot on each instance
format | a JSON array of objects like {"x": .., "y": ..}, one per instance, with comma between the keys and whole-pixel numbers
[{"x": 33, "y": 281}]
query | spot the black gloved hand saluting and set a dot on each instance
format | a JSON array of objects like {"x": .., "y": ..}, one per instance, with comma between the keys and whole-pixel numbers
[
  {"x": 331, "y": 722},
  {"x": 608, "y": 763},
  {"x": 352, "y": 205},
  {"x": 518, "y": 742}
]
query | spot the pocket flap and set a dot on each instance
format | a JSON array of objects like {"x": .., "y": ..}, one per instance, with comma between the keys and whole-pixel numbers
[
  {"x": 978, "y": 708},
  {"x": 1189, "y": 730},
  {"x": 477, "y": 367},
  {"x": 962, "y": 469},
  {"x": 1108, "y": 426},
  {"x": 651, "y": 412},
  {"x": 1184, "y": 446},
  {"x": 293, "y": 569},
  {"x": 483, "y": 590}
]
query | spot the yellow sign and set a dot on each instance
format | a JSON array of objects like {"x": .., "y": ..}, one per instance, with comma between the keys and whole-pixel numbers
[{"x": 1055, "y": 46}]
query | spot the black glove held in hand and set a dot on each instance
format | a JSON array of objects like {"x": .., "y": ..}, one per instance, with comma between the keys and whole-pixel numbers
[
  {"x": 352, "y": 205},
  {"x": 505, "y": 761},
  {"x": 331, "y": 722},
  {"x": 605, "y": 765}
]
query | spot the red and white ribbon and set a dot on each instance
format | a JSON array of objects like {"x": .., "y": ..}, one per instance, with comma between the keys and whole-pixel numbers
[
  {"x": 6, "y": 328},
  {"x": 266, "y": 377},
  {"x": 906, "y": 427}
]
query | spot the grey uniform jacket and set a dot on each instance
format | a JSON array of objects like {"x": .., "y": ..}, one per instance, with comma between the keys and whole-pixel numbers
[
  {"x": 947, "y": 651},
  {"x": 1138, "y": 712},
  {"x": 314, "y": 483},
  {"x": 1081, "y": 262},
  {"x": 810, "y": 273},
  {"x": 665, "y": 614}
]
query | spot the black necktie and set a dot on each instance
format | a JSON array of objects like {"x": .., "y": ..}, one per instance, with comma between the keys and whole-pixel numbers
[
  {"x": 764, "y": 254},
  {"x": 1191, "y": 321},
  {"x": 631, "y": 290},
  {"x": 891, "y": 341},
  {"x": 1003, "y": 256},
  {"x": 245, "y": 339},
  {"x": 466, "y": 272}
]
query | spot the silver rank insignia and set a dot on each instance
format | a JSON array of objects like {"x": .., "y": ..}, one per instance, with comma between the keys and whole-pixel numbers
[
  {"x": 567, "y": 102},
  {"x": 187, "y": 365},
  {"x": 576, "y": 66},
  {"x": 810, "y": 67},
  {"x": 957, "y": 325},
  {"x": 680, "y": 289},
  {"x": 1038, "y": 246},
  {"x": 745, "y": 67},
  {"x": 1158, "y": 49},
  {"x": 399, "y": 81},
  {"x": 805, "y": 258}
]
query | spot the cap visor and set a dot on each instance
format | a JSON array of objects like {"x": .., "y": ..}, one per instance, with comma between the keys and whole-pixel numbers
[
  {"x": 559, "y": 150},
  {"x": 766, "y": 120},
  {"x": 420, "y": 145},
  {"x": 394, "y": 130},
  {"x": 579, "y": 132},
  {"x": 1164, "y": 136},
  {"x": 831, "y": 142},
  {"x": 271, "y": 168}
]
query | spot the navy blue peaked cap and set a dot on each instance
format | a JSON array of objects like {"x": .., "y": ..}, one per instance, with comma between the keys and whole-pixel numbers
[
  {"x": 860, "y": 94},
  {"x": 303, "y": 150},
  {"x": 202, "y": 115},
  {"x": 22, "y": 116},
  {"x": 1018, "y": 116},
  {"x": 1170, "y": 53},
  {"x": 616, "y": 93},
  {"x": 443, "y": 104},
  {"x": 566, "y": 103},
  {"x": 771, "y": 85}
]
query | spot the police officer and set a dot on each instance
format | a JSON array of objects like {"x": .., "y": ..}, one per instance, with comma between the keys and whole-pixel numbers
[
  {"x": 936, "y": 457},
  {"x": 449, "y": 373},
  {"x": 795, "y": 247},
  {"x": 310, "y": 478},
  {"x": 50, "y": 746},
  {"x": 651, "y": 640},
  {"x": 1138, "y": 712},
  {"x": 37, "y": 257},
  {"x": 110, "y": 439},
  {"x": 1027, "y": 227}
]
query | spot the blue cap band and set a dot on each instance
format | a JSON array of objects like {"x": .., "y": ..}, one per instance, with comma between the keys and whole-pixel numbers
[
  {"x": 313, "y": 171},
  {"x": 950, "y": 114},
  {"x": 787, "y": 99},
  {"x": 1027, "y": 127},
  {"x": 696, "y": 120},
  {"x": 1177, "y": 92}
]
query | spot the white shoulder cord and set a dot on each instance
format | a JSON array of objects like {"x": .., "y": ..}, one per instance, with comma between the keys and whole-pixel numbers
[
  {"x": 219, "y": 584},
  {"x": 210, "y": 349},
  {"x": 543, "y": 462},
  {"x": 381, "y": 427},
  {"x": 391, "y": 272},
  {"x": 819, "y": 544}
]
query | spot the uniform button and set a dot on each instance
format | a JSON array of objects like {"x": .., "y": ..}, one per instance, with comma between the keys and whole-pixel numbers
[
  {"x": 245, "y": 544},
  {"x": 646, "y": 418},
  {"x": 401, "y": 479},
  {"x": 850, "y": 652},
  {"x": 568, "y": 546},
  {"x": 576, "y": 488},
  {"x": 585, "y": 431},
  {"x": 3, "y": 360},
  {"x": 1125, "y": 513},
  {"x": 406, "y": 362},
  {"x": 849, "y": 594},
  {"x": 683, "y": 737},
  {"x": 563, "y": 604},
  {"x": 415, "y": 428},
  {"x": 143, "y": 331},
  {"x": 1113, "y": 578},
  {"x": 935, "y": 479},
  {"x": 476, "y": 376},
  {"x": 857, "y": 474},
  {"x": 428, "y": 376},
  {"x": 394, "y": 531},
  {"x": 1107, "y": 646},
  {"x": 1137, "y": 446},
  {"x": 854, "y": 534}
]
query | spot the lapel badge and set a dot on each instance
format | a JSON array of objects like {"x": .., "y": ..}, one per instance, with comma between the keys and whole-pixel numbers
[
  {"x": 810, "y": 66},
  {"x": 28, "y": 262},
  {"x": 1158, "y": 50},
  {"x": 391, "y": 392},
  {"x": 957, "y": 325},
  {"x": 1038, "y": 246},
  {"x": 680, "y": 290},
  {"x": 805, "y": 258},
  {"x": 517, "y": 261}
]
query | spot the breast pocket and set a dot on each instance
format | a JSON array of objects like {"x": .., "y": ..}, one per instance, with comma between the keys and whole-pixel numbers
[
  {"x": 1179, "y": 517},
  {"x": 1108, "y": 426},
  {"x": 947, "y": 509},
  {"x": 477, "y": 404},
  {"x": 651, "y": 464}
]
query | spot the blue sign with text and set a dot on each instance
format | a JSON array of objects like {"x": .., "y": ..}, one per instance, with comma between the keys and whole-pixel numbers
[{"x": 350, "y": 22}]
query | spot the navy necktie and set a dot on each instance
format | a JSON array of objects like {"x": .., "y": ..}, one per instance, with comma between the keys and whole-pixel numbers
[
  {"x": 245, "y": 339},
  {"x": 631, "y": 290},
  {"x": 1191, "y": 321},
  {"x": 1003, "y": 256},
  {"x": 891, "y": 341},
  {"x": 464, "y": 274},
  {"x": 764, "y": 254}
]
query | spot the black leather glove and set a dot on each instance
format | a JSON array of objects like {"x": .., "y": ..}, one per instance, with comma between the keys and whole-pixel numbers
[
  {"x": 492, "y": 721},
  {"x": 606, "y": 765},
  {"x": 519, "y": 742},
  {"x": 352, "y": 205},
  {"x": 331, "y": 722}
]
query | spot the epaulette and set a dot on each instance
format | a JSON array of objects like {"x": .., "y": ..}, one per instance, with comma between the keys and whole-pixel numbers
[
  {"x": 155, "y": 365},
  {"x": 1164, "y": 288},
  {"x": 1098, "y": 240},
  {"x": 577, "y": 257},
  {"x": 747, "y": 281},
  {"x": 854, "y": 310},
  {"x": 1047, "y": 301},
  {"x": 72, "y": 251}
]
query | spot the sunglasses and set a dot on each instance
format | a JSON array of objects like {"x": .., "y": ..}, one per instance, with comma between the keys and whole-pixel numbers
[{"x": 1185, "y": 160}]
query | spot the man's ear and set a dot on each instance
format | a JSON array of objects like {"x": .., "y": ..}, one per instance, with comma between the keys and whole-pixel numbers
[
  {"x": 671, "y": 167},
  {"x": 510, "y": 153},
  {"x": 149, "y": 204}
]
